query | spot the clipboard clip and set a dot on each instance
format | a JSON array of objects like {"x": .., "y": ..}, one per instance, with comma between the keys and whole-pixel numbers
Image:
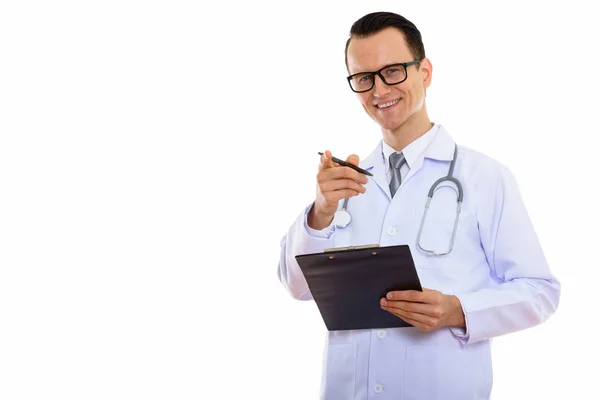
[{"x": 364, "y": 246}]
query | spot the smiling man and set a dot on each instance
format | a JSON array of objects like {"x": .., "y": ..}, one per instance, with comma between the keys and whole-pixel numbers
[{"x": 479, "y": 260}]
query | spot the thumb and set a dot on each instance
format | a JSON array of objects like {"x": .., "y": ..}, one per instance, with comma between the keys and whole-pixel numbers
[{"x": 353, "y": 159}]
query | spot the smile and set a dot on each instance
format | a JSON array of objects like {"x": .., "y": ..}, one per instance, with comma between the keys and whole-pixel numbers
[{"x": 387, "y": 105}]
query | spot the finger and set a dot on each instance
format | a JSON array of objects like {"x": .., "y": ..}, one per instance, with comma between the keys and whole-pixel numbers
[
  {"x": 326, "y": 161},
  {"x": 353, "y": 159},
  {"x": 416, "y": 324},
  {"x": 420, "y": 318},
  {"x": 411, "y": 307},
  {"x": 338, "y": 184},
  {"x": 336, "y": 195},
  {"x": 342, "y": 172},
  {"x": 407, "y": 295},
  {"x": 413, "y": 322}
]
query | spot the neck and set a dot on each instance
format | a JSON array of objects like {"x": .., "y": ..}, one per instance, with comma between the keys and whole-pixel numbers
[{"x": 408, "y": 132}]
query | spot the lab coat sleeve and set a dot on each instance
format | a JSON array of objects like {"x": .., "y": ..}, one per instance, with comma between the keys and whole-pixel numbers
[
  {"x": 301, "y": 239},
  {"x": 526, "y": 293}
]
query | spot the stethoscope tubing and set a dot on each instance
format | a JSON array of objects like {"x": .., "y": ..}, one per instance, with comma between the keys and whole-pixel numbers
[{"x": 343, "y": 217}]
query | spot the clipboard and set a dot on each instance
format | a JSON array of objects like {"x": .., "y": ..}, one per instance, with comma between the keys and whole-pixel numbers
[{"x": 348, "y": 283}]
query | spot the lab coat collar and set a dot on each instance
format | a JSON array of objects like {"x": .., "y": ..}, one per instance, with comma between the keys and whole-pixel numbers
[
  {"x": 441, "y": 148},
  {"x": 413, "y": 153}
]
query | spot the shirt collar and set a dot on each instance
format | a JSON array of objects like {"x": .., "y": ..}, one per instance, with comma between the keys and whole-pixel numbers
[
  {"x": 411, "y": 152},
  {"x": 436, "y": 144}
]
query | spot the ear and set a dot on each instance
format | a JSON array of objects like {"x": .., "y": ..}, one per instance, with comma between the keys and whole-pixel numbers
[{"x": 426, "y": 71}]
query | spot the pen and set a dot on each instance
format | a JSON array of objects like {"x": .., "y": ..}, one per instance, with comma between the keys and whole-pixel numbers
[{"x": 345, "y": 164}]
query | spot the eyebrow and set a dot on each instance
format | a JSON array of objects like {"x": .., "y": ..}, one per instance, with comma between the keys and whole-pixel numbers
[{"x": 372, "y": 71}]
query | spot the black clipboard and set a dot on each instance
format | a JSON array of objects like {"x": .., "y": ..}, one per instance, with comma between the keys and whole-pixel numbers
[{"x": 347, "y": 284}]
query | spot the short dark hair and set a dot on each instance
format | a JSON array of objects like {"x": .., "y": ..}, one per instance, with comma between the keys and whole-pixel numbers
[{"x": 375, "y": 22}]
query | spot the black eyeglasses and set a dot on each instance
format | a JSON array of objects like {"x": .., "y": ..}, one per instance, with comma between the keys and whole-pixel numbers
[{"x": 390, "y": 75}]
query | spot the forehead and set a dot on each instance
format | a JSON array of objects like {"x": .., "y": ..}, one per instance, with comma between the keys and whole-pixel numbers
[{"x": 373, "y": 52}]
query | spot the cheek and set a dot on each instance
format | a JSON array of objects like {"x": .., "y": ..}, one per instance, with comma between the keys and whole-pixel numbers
[
  {"x": 365, "y": 101},
  {"x": 417, "y": 92},
  {"x": 363, "y": 98}
]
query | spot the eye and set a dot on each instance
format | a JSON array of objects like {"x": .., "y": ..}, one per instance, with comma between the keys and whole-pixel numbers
[{"x": 364, "y": 79}]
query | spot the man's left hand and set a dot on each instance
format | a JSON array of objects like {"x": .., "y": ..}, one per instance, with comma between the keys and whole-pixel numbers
[{"x": 428, "y": 310}]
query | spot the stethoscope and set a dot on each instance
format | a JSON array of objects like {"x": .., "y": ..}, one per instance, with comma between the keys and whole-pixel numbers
[{"x": 342, "y": 217}]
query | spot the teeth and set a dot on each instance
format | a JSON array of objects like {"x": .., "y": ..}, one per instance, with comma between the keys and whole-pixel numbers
[{"x": 388, "y": 104}]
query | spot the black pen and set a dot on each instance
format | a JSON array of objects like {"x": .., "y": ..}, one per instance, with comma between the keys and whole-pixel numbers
[{"x": 345, "y": 164}]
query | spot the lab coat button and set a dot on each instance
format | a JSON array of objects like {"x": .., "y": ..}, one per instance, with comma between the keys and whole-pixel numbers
[
  {"x": 381, "y": 334},
  {"x": 392, "y": 230},
  {"x": 378, "y": 388}
]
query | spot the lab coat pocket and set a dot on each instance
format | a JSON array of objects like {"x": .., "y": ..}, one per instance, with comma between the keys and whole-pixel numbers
[
  {"x": 435, "y": 372},
  {"x": 339, "y": 372}
]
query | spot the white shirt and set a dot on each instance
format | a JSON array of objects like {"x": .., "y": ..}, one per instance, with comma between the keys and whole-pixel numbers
[{"x": 411, "y": 153}]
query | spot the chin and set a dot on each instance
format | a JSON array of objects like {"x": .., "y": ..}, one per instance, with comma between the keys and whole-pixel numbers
[{"x": 391, "y": 125}]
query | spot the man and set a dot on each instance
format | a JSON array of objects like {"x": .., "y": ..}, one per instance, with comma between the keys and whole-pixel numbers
[{"x": 489, "y": 280}]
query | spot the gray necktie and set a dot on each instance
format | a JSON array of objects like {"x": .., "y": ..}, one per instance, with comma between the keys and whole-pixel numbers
[{"x": 396, "y": 161}]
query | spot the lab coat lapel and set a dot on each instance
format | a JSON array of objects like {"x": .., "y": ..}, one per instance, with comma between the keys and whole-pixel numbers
[
  {"x": 374, "y": 164},
  {"x": 441, "y": 148}
]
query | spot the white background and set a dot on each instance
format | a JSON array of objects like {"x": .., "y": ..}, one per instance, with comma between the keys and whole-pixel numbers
[{"x": 153, "y": 154}]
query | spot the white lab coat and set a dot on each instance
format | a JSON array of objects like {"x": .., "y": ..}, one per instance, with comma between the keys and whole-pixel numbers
[{"x": 497, "y": 270}]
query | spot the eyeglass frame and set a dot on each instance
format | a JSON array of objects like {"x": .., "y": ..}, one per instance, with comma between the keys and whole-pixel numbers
[{"x": 405, "y": 65}]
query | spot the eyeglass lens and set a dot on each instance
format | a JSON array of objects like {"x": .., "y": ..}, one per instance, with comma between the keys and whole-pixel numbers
[{"x": 390, "y": 75}]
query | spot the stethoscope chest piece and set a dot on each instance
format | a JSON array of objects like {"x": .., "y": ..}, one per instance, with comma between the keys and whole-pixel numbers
[{"x": 342, "y": 218}]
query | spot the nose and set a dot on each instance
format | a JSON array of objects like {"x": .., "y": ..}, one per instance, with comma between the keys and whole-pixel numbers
[{"x": 380, "y": 88}]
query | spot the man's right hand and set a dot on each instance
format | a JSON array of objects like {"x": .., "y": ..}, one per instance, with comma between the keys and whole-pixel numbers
[{"x": 334, "y": 182}]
